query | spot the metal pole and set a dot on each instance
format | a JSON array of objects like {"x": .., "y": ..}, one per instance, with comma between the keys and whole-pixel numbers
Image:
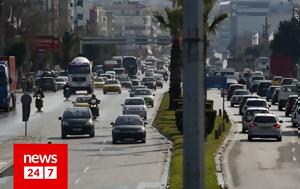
[
  {"x": 223, "y": 109},
  {"x": 193, "y": 112},
  {"x": 25, "y": 128},
  {"x": 2, "y": 28}
]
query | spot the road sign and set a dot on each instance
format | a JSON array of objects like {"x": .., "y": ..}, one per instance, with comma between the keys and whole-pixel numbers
[
  {"x": 215, "y": 82},
  {"x": 40, "y": 166}
]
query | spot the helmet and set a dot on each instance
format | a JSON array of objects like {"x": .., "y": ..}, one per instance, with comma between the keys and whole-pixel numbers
[{"x": 93, "y": 96}]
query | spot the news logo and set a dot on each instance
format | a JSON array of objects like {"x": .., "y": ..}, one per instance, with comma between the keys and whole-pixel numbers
[{"x": 40, "y": 166}]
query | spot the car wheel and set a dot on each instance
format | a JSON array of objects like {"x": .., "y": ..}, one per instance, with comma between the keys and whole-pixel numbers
[
  {"x": 273, "y": 103},
  {"x": 92, "y": 133},
  {"x": 294, "y": 124},
  {"x": 63, "y": 134},
  {"x": 243, "y": 130},
  {"x": 114, "y": 141},
  {"x": 144, "y": 140},
  {"x": 279, "y": 108},
  {"x": 286, "y": 114},
  {"x": 279, "y": 139},
  {"x": 249, "y": 138},
  {"x": 231, "y": 105}
]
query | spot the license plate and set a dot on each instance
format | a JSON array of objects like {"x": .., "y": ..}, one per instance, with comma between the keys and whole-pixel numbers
[
  {"x": 128, "y": 139},
  {"x": 77, "y": 129}
]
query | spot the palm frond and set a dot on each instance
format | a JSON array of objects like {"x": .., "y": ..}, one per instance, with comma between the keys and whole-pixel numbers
[
  {"x": 218, "y": 19},
  {"x": 160, "y": 18}
]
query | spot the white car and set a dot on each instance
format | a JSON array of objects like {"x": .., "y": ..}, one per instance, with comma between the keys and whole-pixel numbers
[
  {"x": 254, "y": 102},
  {"x": 284, "y": 93},
  {"x": 136, "y": 106},
  {"x": 238, "y": 96},
  {"x": 61, "y": 81}
]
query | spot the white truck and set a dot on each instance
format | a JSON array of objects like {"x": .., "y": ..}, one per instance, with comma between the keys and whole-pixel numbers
[
  {"x": 80, "y": 76},
  {"x": 284, "y": 93}
]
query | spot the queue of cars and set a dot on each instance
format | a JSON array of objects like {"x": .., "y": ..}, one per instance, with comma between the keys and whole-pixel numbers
[{"x": 132, "y": 123}]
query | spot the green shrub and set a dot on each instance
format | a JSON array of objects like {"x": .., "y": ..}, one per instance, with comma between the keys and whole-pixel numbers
[
  {"x": 179, "y": 120},
  {"x": 210, "y": 117}
]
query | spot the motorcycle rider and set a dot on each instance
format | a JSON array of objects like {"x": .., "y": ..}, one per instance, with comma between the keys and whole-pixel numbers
[
  {"x": 66, "y": 89},
  {"x": 40, "y": 92},
  {"x": 39, "y": 102},
  {"x": 94, "y": 101}
]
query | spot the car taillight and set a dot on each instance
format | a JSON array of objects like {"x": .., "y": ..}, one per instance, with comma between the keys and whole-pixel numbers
[
  {"x": 276, "y": 125},
  {"x": 253, "y": 125}
]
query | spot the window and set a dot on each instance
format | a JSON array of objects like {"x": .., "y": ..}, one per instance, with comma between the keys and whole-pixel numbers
[
  {"x": 80, "y": 16},
  {"x": 104, "y": 19},
  {"x": 80, "y": 3}
]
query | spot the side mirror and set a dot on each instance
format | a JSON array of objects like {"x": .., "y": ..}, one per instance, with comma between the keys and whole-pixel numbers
[
  {"x": 59, "y": 118},
  {"x": 153, "y": 94},
  {"x": 269, "y": 105},
  {"x": 280, "y": 121},
  {"x": 112, "y": 124}
]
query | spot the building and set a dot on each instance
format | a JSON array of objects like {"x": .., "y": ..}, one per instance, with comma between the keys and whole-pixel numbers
[
  {"x": 248, "y": 16},
  {"x": 130, "y": 18},
  {"x": 82, "y": 15},
  {"x": 66, "y": 16},
  {"x": 51, "y": 8},
  {"x": 98, "y": 21}
]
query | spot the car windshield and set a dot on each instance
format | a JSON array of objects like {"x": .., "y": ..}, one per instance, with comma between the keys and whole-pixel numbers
[
  {"x": 47, "y": 80},
  {"x": 256, "y": 103},
  {"x": 252, "y": 112},
  {"x": 134, "y": 102},
  {"x": 76, "y": 114},
  {"x": 289, "y": 89},
  {"x": 99, "y": 79},
  {"x": 108, "y": 76},
  {"x": 82, "y": 99},
  {"x": 79, "y": 69},
  {"x": 265, "y": 119},
  {"x": 148, "y": 79},
  {"x": 59, "y": 80},
  {"x": 111, "y": 82},
  {"x": 265, "y": 85},
  {"x": 241, "y": 92},
  {"x": 142, "y": 92},
  {"x": 287, "y": 81},
  {"x": 119, "y": 71},
  {"x": 128, "y": 121}
]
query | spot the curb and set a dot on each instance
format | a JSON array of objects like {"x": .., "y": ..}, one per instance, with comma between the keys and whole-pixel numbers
[
  {"x": 6, "y": 166},
  {"x": 222, "y": 182}
]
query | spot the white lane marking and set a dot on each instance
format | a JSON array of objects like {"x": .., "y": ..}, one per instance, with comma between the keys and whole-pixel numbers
[
  {"x": 293, "y": 149},
  {"x": 86, "y": 169},
  {"x": 294, "y": 158},
  {"x": 76, "y": 181}
]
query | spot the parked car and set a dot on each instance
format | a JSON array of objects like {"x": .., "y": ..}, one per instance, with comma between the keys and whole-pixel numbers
[
  {"x": 77, "y": 121},
  {"x": 248, "y": 116},
  {"x": 128, "y": 127},
  {"x": 265, "y": 126},
  {"x": 136, "y": 106}
]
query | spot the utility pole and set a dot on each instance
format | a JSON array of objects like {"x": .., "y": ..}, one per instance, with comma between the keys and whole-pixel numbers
[
  {"x": 265, "y": 35},
  {"x": 193, "y": 111},
  {"x": 2, "y": 28}
]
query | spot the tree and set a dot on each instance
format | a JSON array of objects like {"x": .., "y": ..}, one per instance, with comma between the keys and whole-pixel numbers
[
  {"x": 287, "y": 39},
  {"x": 68, "y": 48}
]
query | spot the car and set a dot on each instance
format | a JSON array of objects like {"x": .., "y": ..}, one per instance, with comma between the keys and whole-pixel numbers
[
  {"x": 128, "y": 127},
  {"x": 48, "y": 84},
  {"x": 82, "y": 101},
  {"x": 255, "y": 77},
  {"x": 149, "y": 81},
  {"x": 244, "y": 100},
  {"x": 132, "y": 90},
  {"x": 61, "y": 81},
  {"x": 263, "y": 87},
  {"x": 112, "y": 85},
  {"x": 290, "y": 104},
  {"x": 276, "y": 80},
  {"x": 159, "y": 80},
  {"x": 107, "y": 76},
  {"x": 254, "y": 102},
  {"x": 99, "y": 82},
  {"x": 274, "y": 99},
  {"x": 248, "y": 116},
  {"x": 149, "y": 72},
  {"x": 125, "y": 82},
  {"x": 284, "y": 93},
  {"x": 228, "y": 83},
  {"x": 265, "y": 126},
  {"x": 77, "y": 121},
  {"x": 113, "y": 73},
  {"x": 136, "y": 106},
  {"x": 270, "y": 92},
  {"x": 237, "y": 96},
  {"x": 287, "y": 81},
  {"x": 134, "y": 77},
  {"x": 232, "y": 88},
  {"x": 254, "y": 85},
  {"x": 146, "y": 94},
  {"x": 135, "y": 82}
]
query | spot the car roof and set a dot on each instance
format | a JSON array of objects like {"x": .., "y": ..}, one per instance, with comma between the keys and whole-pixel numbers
[
  {"x": 293, "y": 96},
  {"x": 256, "y": 99},
  {"x": 129, "y": 98},
  {"x": 129, "y": 115},
  {"x": 265, "y": 81},
  {"x": 143, "y": 89},
  {"x": 257, "y": 108},
  {"x": 265, "y": 115},
  {"x": 74, "y": 109}
]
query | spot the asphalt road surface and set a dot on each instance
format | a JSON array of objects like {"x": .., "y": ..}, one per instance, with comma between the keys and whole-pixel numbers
[
  {"x": 94, "y": 162},
  {"x": 260, "y": 164}
]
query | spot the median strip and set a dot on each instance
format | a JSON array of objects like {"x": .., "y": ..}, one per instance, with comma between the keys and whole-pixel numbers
[{"x": 165, "y": 122}]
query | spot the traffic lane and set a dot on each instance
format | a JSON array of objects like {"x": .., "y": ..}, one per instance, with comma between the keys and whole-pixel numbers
[
  {"x": 125, "y": 162},
  {"x": 47, "y": 130},
  {"x": 261, "y": 163}
]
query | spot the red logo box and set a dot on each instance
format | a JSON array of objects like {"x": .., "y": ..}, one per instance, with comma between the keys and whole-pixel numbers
[{"x": 40, "y": 166}]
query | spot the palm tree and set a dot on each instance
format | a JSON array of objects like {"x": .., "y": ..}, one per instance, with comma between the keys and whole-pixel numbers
[
  {"x": 174, "y": 22},
  {"x": 68, "y": 47}
]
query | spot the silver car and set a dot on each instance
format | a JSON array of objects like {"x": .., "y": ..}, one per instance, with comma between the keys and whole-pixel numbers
[
  {"x": 265, "y": 126},
  {"x": 254, "y": 102},
  {"x": 135, "y": 106},
  {"x": 248, "y": 116},
  {"x": 238, "y": 96}
]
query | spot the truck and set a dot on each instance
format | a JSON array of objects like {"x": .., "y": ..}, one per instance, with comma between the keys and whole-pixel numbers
[
  {"x": 109, "y": 65},
  {"x": 281, "y": 66},
  {"x": 8, "y": 83},
  {"x": 80, "y": 75},
  {"x": 131, "y": 65},
  {"x": 263, "y": 64}
]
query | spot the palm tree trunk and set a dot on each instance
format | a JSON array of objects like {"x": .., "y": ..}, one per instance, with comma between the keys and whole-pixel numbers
[{"x": 176, "y": 73}]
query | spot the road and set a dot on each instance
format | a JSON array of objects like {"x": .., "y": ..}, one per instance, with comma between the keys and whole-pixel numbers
[
  {"x": 261, "y": 164},
  {"x": 94, "y": 162}
]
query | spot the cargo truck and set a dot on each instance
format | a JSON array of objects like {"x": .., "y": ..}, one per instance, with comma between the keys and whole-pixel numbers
[{"x": 8, "y": 83}]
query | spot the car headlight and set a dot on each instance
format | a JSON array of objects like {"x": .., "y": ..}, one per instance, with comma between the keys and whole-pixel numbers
[
  {"x": 90, "y": 122},
  {"x": 140, "y": 130}
]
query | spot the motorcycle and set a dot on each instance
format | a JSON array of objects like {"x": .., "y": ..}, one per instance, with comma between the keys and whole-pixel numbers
[
  {"x": 39, "y": 102},
  {"x": 67, "y": 93},
  {"x": 94, "y": 107}
]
